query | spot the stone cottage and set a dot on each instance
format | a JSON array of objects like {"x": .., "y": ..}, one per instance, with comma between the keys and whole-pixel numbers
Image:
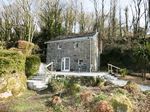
[{"x": 77, "y": 53}]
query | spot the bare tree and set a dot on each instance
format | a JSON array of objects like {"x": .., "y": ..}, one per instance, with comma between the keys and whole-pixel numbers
[
  {"x": 127, "y": 17},
  {"x": 120, "y": 22}
]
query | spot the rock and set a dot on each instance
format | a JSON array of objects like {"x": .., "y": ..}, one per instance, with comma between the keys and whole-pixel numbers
[
  {"x": 5, "y": 96},
  {"x": 121, "y": 103},
  {"x": 108, "y": 83},
  {"x": 14, "y": 84},
  {"x": 132, "y": 87},
  {"x": 104, "y": 106}
]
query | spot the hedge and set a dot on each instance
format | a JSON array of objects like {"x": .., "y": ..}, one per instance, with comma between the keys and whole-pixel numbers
[
  {"x": 32, "y": 65},
  {"x": 11, "y": 61}
]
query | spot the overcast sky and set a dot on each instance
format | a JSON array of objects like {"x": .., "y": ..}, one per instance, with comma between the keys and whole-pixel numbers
[{"x": 88, "y": 7}]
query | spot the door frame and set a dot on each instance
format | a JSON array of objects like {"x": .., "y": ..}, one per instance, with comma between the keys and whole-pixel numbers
[{"x": 65, "y": 63}]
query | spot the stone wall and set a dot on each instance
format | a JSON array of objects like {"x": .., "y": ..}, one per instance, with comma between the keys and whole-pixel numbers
[{"x": 82, "y": 52}]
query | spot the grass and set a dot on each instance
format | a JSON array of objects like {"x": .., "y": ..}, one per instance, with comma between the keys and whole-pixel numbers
[
  {"x": 26, "y": 106},
  {"x": 25, "y": 103}
]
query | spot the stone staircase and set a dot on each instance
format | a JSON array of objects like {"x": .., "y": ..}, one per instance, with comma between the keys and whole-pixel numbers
[{"x": 38, "y": 82}]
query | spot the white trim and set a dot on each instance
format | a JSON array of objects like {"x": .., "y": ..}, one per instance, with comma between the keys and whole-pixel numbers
[
  {"x": 65, "y": 63},
  {"x": 72, "y": 39}
]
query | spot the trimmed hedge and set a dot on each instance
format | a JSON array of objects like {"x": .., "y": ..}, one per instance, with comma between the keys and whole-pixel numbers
[
  {"x": 32, "y": 65},
  {"x": 11, "y": 61}
]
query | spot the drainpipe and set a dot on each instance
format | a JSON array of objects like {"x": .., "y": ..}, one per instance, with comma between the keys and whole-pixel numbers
[{"x": 90, "y": 55}]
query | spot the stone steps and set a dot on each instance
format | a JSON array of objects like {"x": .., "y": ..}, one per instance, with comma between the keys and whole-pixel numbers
[{"x": 38, "y": 82}]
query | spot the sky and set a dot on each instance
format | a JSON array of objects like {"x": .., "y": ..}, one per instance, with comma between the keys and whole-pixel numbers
[{"x": 89, "y": 7}]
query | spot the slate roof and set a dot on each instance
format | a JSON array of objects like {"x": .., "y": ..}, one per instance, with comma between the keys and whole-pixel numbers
[{"x": 73, "y": 37}]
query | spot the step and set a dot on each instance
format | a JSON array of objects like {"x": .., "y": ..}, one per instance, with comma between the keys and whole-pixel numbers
[
  {"x": 34, "y": 81},
  {"x": 37, "y": 78}
]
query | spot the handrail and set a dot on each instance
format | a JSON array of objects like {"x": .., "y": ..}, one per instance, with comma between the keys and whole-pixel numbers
[
  {"x": 50, "y": 64},
  {"x": 112, "y": 67}
]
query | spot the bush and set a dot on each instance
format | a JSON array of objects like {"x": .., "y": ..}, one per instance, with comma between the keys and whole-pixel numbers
[
  {"x": 122, "y": 91},
  {"x": 11, "y": 61},
  {"x": 32, "y": 65},
  {"x": 25, "y": 47},
  {"x": 55, "y": 85},
  {"x": 2, "y": 45},
  {"x": 100, "y": 96},
  {"x": 124, "y": 72}
]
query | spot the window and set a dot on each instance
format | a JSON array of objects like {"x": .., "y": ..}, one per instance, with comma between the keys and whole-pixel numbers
[
  {"x": 80, "y": 62},
  {"x": 75, "y": 45},
  {"x": 59, "y": 46}
]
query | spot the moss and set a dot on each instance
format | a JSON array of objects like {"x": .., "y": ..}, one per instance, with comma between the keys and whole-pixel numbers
[
  {"x": 3, "y": 86},
  {"x": 121, "y": 103},
  {"x": 32, "y": 65},
  {"x": 74, "y": 89},
  {"x": 15, "y": 83}
]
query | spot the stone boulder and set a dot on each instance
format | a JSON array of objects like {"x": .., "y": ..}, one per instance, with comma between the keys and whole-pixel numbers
[
  {"x": 108, "y": 83},
  {"x": 132, "y": 87},
  {"x": 12, "y": 85},
  {"x": 121, "y": 103}
]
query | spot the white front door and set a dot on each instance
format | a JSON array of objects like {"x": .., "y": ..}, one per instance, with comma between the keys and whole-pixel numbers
[{"x": 65, "y": 64}]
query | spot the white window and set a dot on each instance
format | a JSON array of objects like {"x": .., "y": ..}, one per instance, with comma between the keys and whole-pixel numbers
[
  {"x": 59, "y": 46},
  {"x": 75, "y": 45},
  {"x": 80, "y": 62}
]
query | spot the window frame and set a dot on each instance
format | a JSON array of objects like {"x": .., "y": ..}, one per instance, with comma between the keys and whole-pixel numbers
[
  {"x": 76, "y": 45},
  {"x": 79, "y": 62},
  {"x": 59, "y": 46}
]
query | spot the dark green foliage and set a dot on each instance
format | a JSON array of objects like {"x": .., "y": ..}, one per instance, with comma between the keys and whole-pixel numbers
[
  {"x": 32, "y": 65},
  {"x": 56, "y": 84},
  {"x": 2, "y": 45},
  {"x": 124, "y": 72},
  {"x": 11, "y": 61},
  {"x": 142, "y": 58}
]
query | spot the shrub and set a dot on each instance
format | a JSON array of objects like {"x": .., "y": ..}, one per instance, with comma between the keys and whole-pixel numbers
[
  {"x": 75, "y": 88},
  {"x": 32, "y": 65},
  {"x": 25, "y": 47},
  {"x": 11, "y": 61},
  {"x": 124, "y": 72},
  {"x": 122, "y": 91},
  {"x": 104, "y": 106},
  {"x": 100, "y": 96},
  {"x": 121, "y": 103},
  {"x": 2, "y": 45},
  {"x": 55, "y": 85}
]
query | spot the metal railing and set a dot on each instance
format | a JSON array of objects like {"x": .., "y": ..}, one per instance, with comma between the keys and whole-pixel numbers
[
  {"x": 51, "y": 69},
  {"x": 110, "y": 68}
]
